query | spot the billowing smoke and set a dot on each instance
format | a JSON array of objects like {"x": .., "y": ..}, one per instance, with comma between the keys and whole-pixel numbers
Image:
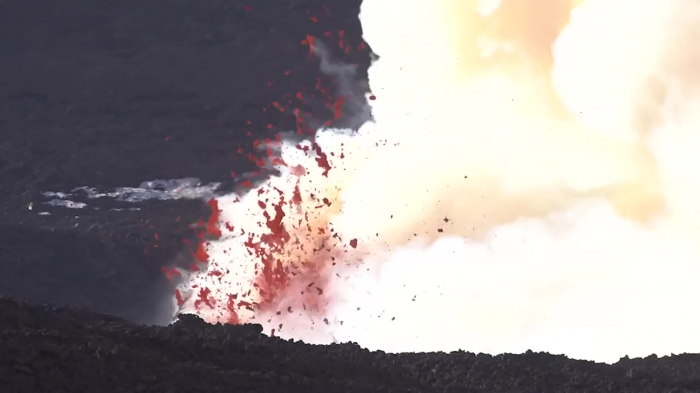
[{"x": 527, "y": 182}]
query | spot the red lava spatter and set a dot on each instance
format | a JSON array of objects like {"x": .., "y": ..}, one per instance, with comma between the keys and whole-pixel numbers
[
  {"x": 305, "y": 249},
  {"x": 274, "y": 277},
  {"x": 302, "y": 280},
  {"x": 292, "y": 262},
  {"x": 293, "y": 254}
]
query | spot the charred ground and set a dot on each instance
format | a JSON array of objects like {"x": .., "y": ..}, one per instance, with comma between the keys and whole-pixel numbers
[{"x": 112, "y": 93}]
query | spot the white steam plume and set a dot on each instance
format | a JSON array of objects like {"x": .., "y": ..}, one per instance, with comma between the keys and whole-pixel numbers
[{"x": 528, "y": 182}]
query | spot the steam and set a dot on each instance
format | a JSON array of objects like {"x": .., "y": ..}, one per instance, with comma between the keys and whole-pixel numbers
[{"x": 527, "y": 183}]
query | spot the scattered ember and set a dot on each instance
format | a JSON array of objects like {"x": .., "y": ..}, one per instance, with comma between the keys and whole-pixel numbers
[
  {"x": 233, "y": 314},
  {"x": 204, "y": 297},
  {"x": 213, "y": 224},
  {"x": 310, "y": 41},
  {"x": 337, "y": 108},
  {"x": 322, "y": 159},
  {"x": 178, "y": 297},
  {"x": 291, "y": 250},
  {"x": 171, "y": 273},
  {"x": 201, "y": 253}
]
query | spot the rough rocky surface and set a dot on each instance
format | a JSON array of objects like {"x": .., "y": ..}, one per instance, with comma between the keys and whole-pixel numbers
[
  {"x": 67, "y": 350},
  {"x": 114, "y": 93}
]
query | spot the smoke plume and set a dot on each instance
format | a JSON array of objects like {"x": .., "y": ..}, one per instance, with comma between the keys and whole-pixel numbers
[{"x": 527, "y": 182}]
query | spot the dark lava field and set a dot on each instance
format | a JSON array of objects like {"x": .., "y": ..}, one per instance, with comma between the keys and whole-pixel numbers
[{"x": 108, "y": 109}]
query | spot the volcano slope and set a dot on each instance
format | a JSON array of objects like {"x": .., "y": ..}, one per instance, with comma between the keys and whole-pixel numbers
[{"x": 111, "y": 94}]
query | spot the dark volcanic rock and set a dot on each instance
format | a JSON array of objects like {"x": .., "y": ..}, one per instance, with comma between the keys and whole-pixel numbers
[{"x": 62, "y": 350}]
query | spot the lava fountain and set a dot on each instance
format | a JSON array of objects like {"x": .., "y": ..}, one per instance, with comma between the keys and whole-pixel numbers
[{"x": 527, "y": 182}]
